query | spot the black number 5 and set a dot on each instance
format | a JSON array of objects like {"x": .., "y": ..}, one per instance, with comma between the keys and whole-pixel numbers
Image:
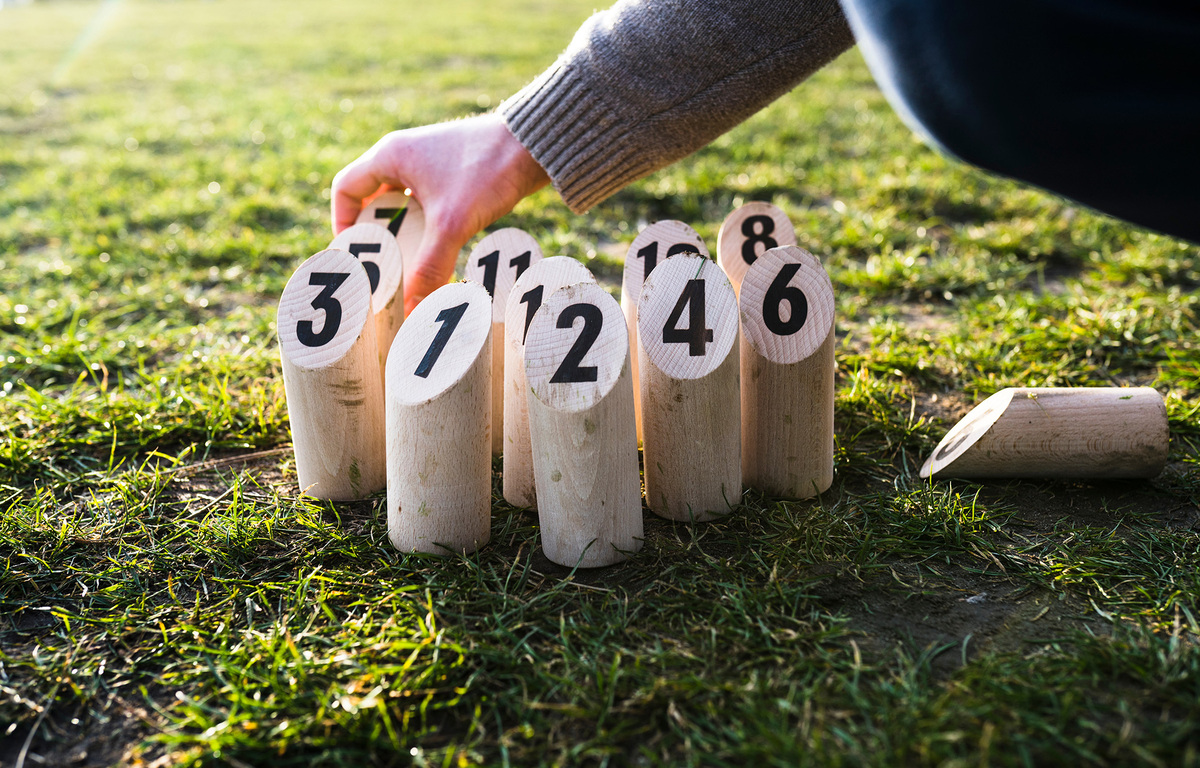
[
  {"x": 329, "y": 305},
  {"x": 569, "y": 371},
  {"x": 779, "y": 292}
]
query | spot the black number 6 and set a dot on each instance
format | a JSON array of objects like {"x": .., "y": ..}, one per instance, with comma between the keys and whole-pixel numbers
[
  {"x": 779, "y": 292},
  {"x": 324, "y": 301}
]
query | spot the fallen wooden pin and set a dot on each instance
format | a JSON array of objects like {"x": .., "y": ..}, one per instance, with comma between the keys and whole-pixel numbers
[{"x": 1067, "y": 433}]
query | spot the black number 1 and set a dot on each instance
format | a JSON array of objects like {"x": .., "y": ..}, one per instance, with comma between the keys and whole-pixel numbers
[
  {"x": 358, "y": 249},
  {"x": 569, "y": 371},
  {"x": 534, "y": 299},
  {"x": 695, "y": 335},
  {"x": 449, "y": 318},
  {"x": 330, "y": 306}
]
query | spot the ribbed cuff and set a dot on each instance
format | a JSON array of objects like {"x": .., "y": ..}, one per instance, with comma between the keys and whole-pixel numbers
[{"x": 580, "y": 142}]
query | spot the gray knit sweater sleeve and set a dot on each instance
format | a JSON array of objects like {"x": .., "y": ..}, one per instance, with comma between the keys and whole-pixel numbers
[{"x": 649, "y": 81}]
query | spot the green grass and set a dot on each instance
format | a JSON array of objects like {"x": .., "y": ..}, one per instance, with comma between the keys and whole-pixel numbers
[{"x": 168, "y": 598}]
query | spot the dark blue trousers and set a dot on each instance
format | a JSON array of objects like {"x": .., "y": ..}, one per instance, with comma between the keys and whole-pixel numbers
[{"x": 1097, "y": 100}]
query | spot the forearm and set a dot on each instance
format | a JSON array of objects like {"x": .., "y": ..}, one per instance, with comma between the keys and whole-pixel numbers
[{"x": 648, "y": 82}]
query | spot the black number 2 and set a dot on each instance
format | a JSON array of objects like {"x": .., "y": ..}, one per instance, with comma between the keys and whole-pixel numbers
[
  {"x": 695, "y": 335},
  {"x": 358, "y": 249},
  {"x": 765, "y": 225},
  {"x": 569, "y": 371},
  {"x": 449, "y": 318},
  {"x": 779, "y": 292},
  {"x": 325, "y": 302}
]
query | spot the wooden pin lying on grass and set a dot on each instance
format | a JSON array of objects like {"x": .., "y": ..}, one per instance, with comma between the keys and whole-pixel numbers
[
  {"x": 654, "y": 243},
  {"x": 540, "y": 280},
  {"x": 1051, "y": 432},
  {"x": 439, "y": 466},
  {"x": 691, "y": 420},
  {"x": 331, "y": 377},
  {"x": 749, "y": 232},
  {"x": 787, "y": 374},
  {"x": 582, "y": 430},
  {"x": 496, "y": 263},
  {"x": 376, "y": 249},
  {"x": 404, "y": 218}
]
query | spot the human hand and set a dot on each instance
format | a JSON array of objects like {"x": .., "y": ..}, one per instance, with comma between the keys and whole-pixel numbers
[{"x": 465, "y": 174}]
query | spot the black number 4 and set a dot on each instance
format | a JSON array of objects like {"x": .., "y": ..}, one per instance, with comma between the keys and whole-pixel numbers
[
  {"x": 325, "y": 302},
  {"x": 695, "y": 335},
  {"x": 569, "y": 371}
]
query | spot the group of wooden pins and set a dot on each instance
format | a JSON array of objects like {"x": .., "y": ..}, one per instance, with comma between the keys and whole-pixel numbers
[{"x": 529, "y": 358}]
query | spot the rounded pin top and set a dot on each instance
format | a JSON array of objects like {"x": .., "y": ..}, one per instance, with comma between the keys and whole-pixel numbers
[
  {"x": 438, "y": 342},
  {"x": 376, "y": 249},
  {"x": 323, "y": 309},
  {"x": 749, "y": 232},
  {"x": 535, "y": 284},
  {"x": 786, "y": 304},
  {"x": 687, "y": 318},
  {"x": 576, "y": 347},
  {"x": 652, "y": 245},
  {"x": 498, "y": 260}
]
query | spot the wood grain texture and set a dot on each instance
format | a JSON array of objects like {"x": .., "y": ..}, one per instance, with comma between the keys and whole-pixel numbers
[
  {"x": 377, "y": 251},
  {"x": 582, "y": 432},
  {"x": 691, "y": 417},
  {"x": 540, "y": 280},
  {"x": 749, "y": 232},
  {"x": 1053, "y": 432},
  {"x": 495, "y": 263},
  {"x": 334, "y": 389},
  {"x": 787, "y": 367},
  {"x": 654, "y": 243},
  {"x": 408, "y": 229},
  {"x": 439, "y": 468}
]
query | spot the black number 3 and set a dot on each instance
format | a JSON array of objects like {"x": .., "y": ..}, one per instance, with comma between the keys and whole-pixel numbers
[{"x": 329, "y": 305}]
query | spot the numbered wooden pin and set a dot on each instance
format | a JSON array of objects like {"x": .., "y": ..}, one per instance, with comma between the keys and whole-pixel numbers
[
  {"x": 581, "y": 428},
  {"x": 404, "y": 218},
  {"x": 654, "y": 243},
  {"x": 1053, "y": 432},
  {"x": 540, "y": 280},
  {"x": 439, "y": 403},
  {"x": 787, "y": 341},
  {"x": 376, "y": 249},
  {"x": 331, "y": 377},
  {"x": 691, "y": 449},
  {"x": 749, "y": 232},
  {"x": 496, "y": 263}
]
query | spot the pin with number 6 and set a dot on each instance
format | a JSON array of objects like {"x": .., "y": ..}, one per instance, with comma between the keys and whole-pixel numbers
[{"x": 786, "y": 307}]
